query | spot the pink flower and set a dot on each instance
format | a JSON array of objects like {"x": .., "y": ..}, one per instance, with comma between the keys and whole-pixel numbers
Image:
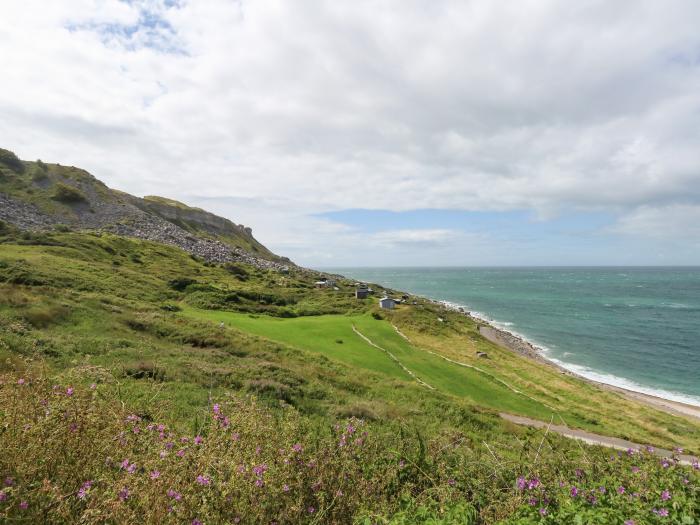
[
  {"x": 661, "y": 512},
  {"x": 216, "y": 409},
  {"x": 285, "y": 488},
  {"x": 311, "y": 510},
  {"x": 155, "y": 474},
  {"x": 174, "y": 495},
  {"x": 132, "y": 468},
  {"x": 20, "y": 381},
  {"x": 24, "y": 505},
  {"x": 629, "y": 522},
  {"x": 124, "y": 494},
  {"x": 93, "y": 386},
  {"x": 574, "y": 492},
  {"x": 3, "y": 496},
  {"x": 620, "y": 490},
  {"x": 198, "y": 440},
  {"x": 665, "y": 495},
  {"x": 181, "y": 453},
  {"x": 543, "y": 512},
  {"x": 296, "y": 447},
  {"x": 203, "y": 480},
  {"x": 9, "y": 481},
  {"x": 69, "y": 391},
  {"x": 196, "y": 522}
]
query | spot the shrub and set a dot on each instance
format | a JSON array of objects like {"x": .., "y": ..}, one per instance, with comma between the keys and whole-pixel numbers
[
  {"x": 181, "y": 283},
  {"x": 9, "y": 159},
  {"x": 236, "y": 270},
  {"x": 145, "y": 370},
  {"x": 68, "y": 194},
  {"x": 46, "y": 315}
]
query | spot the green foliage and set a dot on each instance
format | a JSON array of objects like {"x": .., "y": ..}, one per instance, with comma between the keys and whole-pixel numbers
[
  {"x": 9, "y": 159},
  {"x": 68, "y": 194},
  {"x": 181, "y": 283}
]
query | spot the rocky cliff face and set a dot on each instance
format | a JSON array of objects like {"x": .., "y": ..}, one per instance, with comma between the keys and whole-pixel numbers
[{"x": 39, "y": 196}]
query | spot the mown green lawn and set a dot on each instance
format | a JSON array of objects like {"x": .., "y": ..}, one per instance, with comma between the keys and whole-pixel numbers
[{"x": 323, "y": 334}]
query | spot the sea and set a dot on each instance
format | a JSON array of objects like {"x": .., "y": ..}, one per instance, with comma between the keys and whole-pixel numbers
[{"x": 636, "y": 328}]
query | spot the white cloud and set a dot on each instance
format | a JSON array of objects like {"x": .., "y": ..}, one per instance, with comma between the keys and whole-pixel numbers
[
  {"x": 677, "y": 221},
  {"x": 306, "y": 107}
]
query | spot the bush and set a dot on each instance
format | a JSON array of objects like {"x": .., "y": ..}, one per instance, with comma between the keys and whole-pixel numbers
[
  {"x": 9, "y": 159},
  {"x": 68, "y": 194},
  {"x": 43, "y": 316},
  {"x": 236, "y": 270},
  {"x": 181, "y": 283}
]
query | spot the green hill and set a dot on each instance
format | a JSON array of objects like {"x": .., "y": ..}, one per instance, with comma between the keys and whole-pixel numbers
[{"x": 287, "y": 402}]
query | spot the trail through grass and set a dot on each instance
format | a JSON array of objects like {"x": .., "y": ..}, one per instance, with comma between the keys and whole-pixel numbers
[{"x": 324, "y": 334}]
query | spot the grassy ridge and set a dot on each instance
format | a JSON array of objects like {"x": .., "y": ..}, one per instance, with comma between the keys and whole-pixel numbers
[{"x": 141, "y": 321}]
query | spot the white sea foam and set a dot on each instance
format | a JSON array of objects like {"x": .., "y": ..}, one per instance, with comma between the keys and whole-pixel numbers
[{"x": 588, "y": 373}]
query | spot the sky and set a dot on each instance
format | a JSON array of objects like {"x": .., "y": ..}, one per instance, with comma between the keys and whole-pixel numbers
[{"x": 382, "y": 133}]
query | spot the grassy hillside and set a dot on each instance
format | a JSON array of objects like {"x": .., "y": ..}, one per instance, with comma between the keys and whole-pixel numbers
[{"x": 142, "y": 323}]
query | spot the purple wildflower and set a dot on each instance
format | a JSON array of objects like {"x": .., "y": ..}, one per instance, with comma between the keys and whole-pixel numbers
[
  {"x": 174, "y": 495},
  {"x": 24, "y": 505},
  {"x": 20, "y": 381},
  {"x": 181, "y": 453},
  {"x": 629, "y": 522},
  {"x": 574, "y": 492},
  {"x": 665, "y": 495},
  {"x": 203, "y": 480},
  {"x": 216, "y": 409},
  {"x": 3, "y": 495},
  {"x": 620, "y": 490},
  {"x": 69, "y": 391},
  {"x": 124, "y": 494},
  {"x": 155, "y": 474},
  {"x": 285, "y": 488},
  {"x": 661, "y": 512},
  {"x": 543, "y": 511},
  {"x": 196, "y": 522},
  {"x": 9, "y": 481},
  {"x": 311, "y": 510},
  {"x": 198, "y": 440},
  {"x": 296, "y": 447}
]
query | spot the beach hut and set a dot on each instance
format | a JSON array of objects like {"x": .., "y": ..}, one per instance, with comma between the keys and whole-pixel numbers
[
  {"x": 361, "y": 293},
  {"x": 387, "y": 303}
]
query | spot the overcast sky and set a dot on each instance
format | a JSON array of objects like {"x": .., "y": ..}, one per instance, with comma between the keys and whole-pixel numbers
[{"x": 397, "y": 132}]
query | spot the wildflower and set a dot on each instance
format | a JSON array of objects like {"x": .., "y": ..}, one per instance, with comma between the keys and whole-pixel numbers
[
  {"x": 665, "y": 463},
  {"x": 69, "y": 391},
  {"x": 174, "y": 495},
  {"x": 259, "y": 470},
  {"x": 532, "y": 501},
  {"x": 132, "y": 468},
  {"x": 3, "y": 495},
  {"x": 620, "y": 490},
  {"x": 196, "y": 522},
  {"x": 9, "y": 481},
  {"x": 678, "y": 450},
  {"x": 665, "y": 495},
  {"x": 163, "y": 454},
  {"x": 235, "y": 436},
  {"x": 20, "y": 381},
  {"x": 339, "y": 493},
  {"x": 629, "y": 522},
  {"x": 93, "y": 386},
  {"x": 198, "y": 440},
  {"x": 82, "y": 492},
  {"x": 169, "y": 445},
  {"x": 285, "y": 488},
  {"x": 311, "y": 510},
  {"x": 661, "y": 512},
  {"x": 155, "y": 474},
  {"x": 124, "y": 494},
  {"x": 451, "y": 482},
  {"x": 216, "y": 409},
  {"x": 650, "y": 449},
  {"x": 635, "y": 470},
  {"x": 203, "y": 480},
  {"x": 574, "y": 492},
  {"x": 259, "y": 483},
  {"x": 181, "y": 453},
  {"x": 602, "y": 490},
  {"x": 24, "y": 505},
  {"x": 296, "y": 447},
  {"x": 184, "y": 439},
  {"x": 533, "y": 483},
  {"x": 543, "y": 511}
]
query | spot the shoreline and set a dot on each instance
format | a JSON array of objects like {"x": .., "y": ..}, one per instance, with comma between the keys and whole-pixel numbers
[{"x": 521, "y": 346}]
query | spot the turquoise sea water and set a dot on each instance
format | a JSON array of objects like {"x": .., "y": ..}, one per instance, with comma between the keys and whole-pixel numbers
[{"x": 638, "y": 328}]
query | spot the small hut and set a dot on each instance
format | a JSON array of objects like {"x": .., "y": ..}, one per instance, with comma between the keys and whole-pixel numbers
[{"x": 387, "y": 303}]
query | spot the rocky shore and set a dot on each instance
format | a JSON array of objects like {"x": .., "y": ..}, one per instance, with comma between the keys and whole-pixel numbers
[{"x": 519, "y": 345}]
